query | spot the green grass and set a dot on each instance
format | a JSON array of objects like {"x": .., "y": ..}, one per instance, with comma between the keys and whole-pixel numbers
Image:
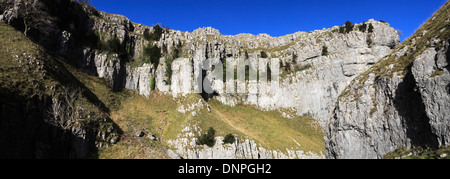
[
  {"x": 27, "y": 71},
  {"x": 420, "y": 153},
  {"x": 437, "y": 72},
  {"x": 159, "y": 114},
  {"x": 267, "y": 128}
]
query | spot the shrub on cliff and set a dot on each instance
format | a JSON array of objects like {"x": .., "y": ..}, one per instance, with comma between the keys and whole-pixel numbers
[
  {"x": 371, "y": 28},
  {"x": 348, "y": 26},
  {"x": 229, "y": 139},
  {"x": 155, "y": 35},
  {"x": 147, "y": 35},
  {"x": 208, "y": 138},
  {"x": 152, "y": 54},
  {"x": 324, "y": 50},
  {"x": 264, "y": 54}
]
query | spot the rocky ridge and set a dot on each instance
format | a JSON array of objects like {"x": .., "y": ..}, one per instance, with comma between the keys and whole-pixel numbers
[{"x": 401, "y": 102}]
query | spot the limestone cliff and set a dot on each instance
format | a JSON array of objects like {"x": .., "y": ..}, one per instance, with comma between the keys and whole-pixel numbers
[
  {"x": 315, "y": 66},
  {"x": 401, "y": 102},
  {"x": 310, "y": 83}
]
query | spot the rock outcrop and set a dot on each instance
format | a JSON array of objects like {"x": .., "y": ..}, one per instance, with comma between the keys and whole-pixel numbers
[
  {"x": 185, "y": 147},
  {"x": 431, "y": 72},
  {"x": 313, "y": 81},
  {"x": 401, "y": 102}
]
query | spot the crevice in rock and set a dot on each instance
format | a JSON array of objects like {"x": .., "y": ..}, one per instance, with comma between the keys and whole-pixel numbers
[{"x": 411, "y": 108}]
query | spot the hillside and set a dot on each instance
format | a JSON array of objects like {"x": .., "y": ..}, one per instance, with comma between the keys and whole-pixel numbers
[
  {"x": 45, "y": 111},
  {"x": 401, "y": 102},
  {"x": 142, "y": 81}
]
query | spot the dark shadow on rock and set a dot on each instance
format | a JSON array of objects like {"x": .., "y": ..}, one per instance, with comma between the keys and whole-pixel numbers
[
  {"x": 25, "y": 134},
  {"x": 65, "y": 29},
  {"x": 447, "y": 54},
  {"x": 411, "y": 108},
  {"x": 206, "y": 88}
]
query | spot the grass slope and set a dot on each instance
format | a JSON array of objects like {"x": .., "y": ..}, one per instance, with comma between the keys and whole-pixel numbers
[
  {"x": 27, "y": 73},
  {"x": 158, "y": 114}
]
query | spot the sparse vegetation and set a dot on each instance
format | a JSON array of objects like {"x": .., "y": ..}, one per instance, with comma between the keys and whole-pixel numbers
[
  {"x": 437, "y": 72},
  {"x": 207, "y": 138},
  {"x": 420, "y": 153},
  {"x": 303, "y": 67},
  {"x": 155, "y": 35},
  {"x": 147, "y": 35},
  {"x": 263, "y": 54},
  {"x": 152, "y": 54},
  {"x": 152, "y": 83},
  {"x": 436, "y": 28},
  {"x": 324, "y": 50},
  {"x": 363, "y": 27},
  {"x": 229, "y": 139},
  {"x": 88, "y": 2},
  {"x": 176, "y": 52},
  {"x": 348, "y": 27},
  {"x": 370, "y": 30}
]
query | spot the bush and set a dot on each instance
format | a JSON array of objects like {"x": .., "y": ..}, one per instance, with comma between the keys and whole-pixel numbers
[
  {"x": 342, "y": 29},
  {"x": 229, "y": 139},
  {"x": 264, "y": 54},
  {"x": 112, "y": 45},
  {"x": 147, "y": 35},
  {"x": 152, "y": 54},
  {"x": 370, "y": 28},
  {"x": 348, "y": 26},
  {"x": 324, "y": 51},
  {"x": 363, "y": 27},
  {"x": 208, "y": 138},
  {"x": 155, "y": 35}
]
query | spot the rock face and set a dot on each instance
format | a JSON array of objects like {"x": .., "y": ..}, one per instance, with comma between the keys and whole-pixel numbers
[
  {"x": 376, "y": 113},
  {"x": 431, "y": 71},
  {"x": 401, "y": 102},
  {"x": 314, "y": 80},
  {"x": 311, "y": 80}
]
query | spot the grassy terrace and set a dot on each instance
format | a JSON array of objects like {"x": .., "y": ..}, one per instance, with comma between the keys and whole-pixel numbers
[{"x": 159, "y": 115}]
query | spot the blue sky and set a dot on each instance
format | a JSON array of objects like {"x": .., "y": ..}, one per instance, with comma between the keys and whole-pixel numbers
[{"x": 274, "y": 17}]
